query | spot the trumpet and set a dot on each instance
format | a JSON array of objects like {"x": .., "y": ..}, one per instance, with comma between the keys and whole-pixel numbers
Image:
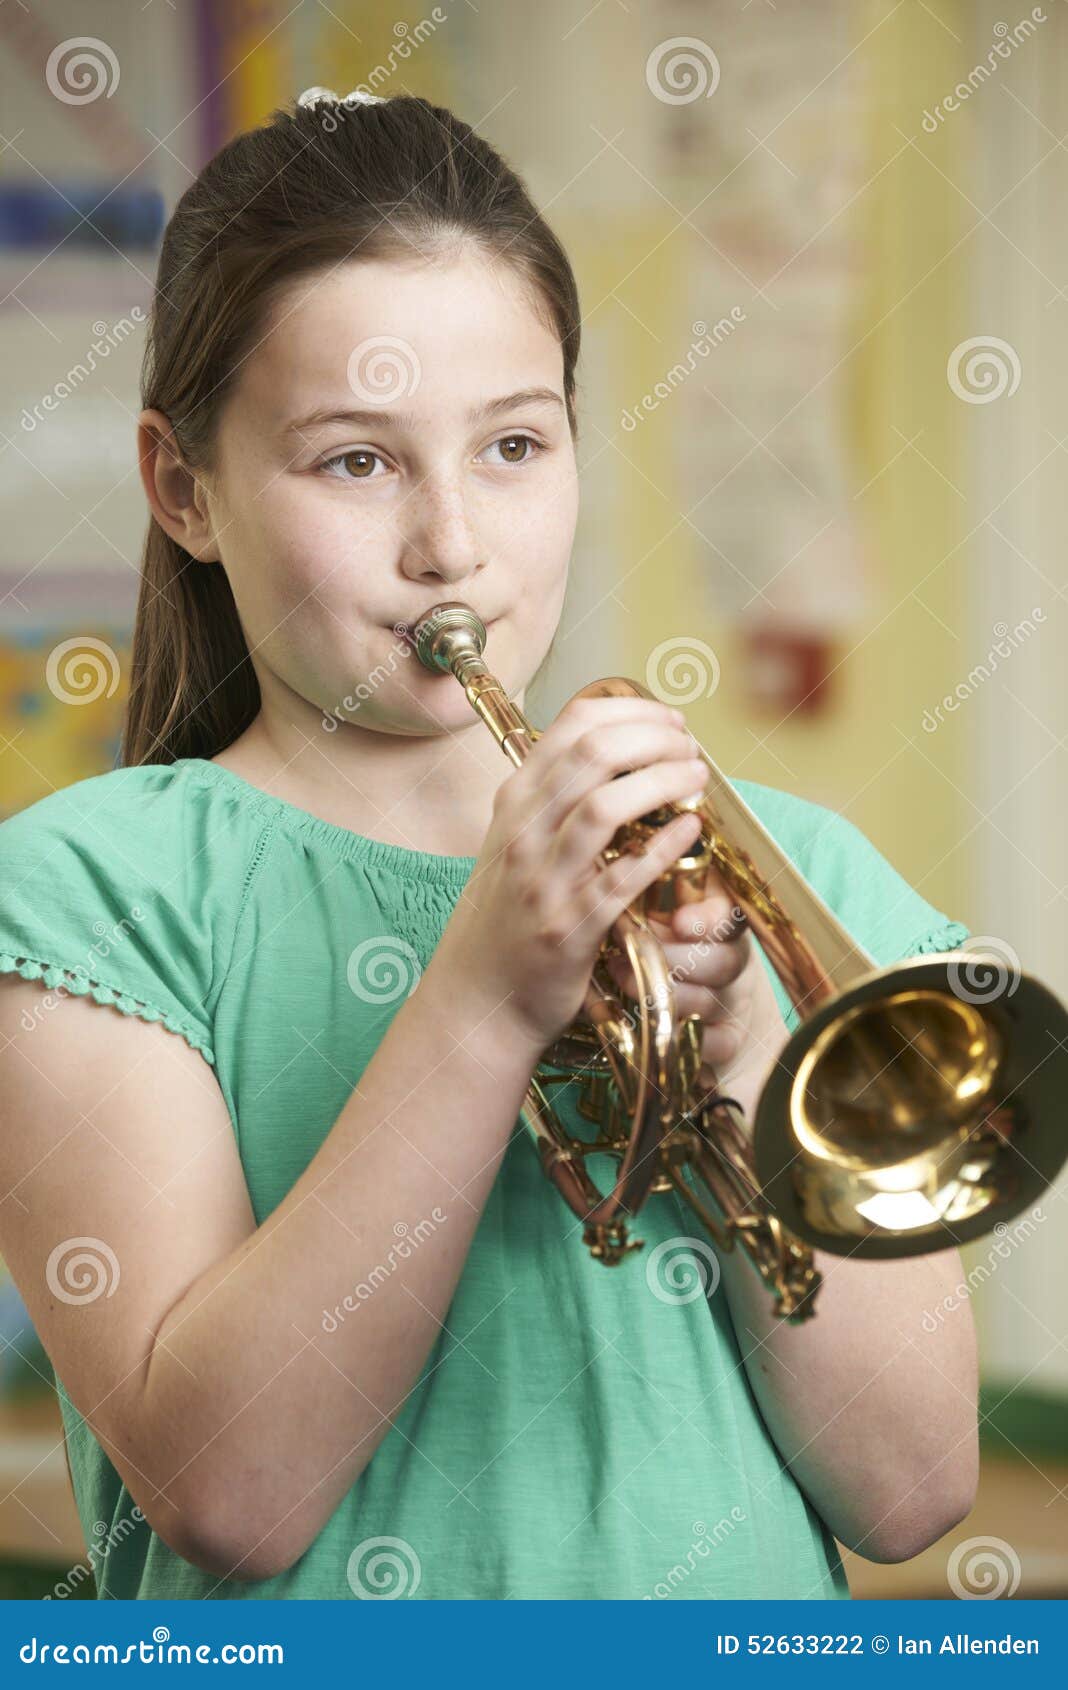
[{"x": 907, "y": 1113}]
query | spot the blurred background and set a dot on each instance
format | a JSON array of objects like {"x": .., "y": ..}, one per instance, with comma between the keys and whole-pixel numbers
[{"x": 824, "y": 279}]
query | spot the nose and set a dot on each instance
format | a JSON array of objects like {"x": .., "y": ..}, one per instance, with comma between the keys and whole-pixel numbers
[{"x": 440, "y": 540}]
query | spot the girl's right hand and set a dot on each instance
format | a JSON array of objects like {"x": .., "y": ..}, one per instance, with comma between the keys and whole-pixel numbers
[{"x": 526, "y": 931}]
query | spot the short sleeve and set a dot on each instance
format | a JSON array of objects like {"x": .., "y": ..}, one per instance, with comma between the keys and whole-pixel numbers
[
  {"x": 105, "y": 892},
  {"x": 877, "y": 905}
]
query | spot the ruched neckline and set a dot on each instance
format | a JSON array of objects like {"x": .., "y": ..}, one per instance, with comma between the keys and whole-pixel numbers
[{"x": 400, "y": 860}]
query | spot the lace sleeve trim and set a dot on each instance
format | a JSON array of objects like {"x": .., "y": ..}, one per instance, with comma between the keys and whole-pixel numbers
[
  {"x": 947, "y": 938},
  {"x": 80, "y": 985}
]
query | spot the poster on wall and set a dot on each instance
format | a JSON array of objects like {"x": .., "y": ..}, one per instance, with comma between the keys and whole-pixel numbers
[{"x": 766, "y": 154}]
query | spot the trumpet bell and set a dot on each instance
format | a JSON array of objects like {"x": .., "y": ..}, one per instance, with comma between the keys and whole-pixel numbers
[{"x": 905, "y": 1117}]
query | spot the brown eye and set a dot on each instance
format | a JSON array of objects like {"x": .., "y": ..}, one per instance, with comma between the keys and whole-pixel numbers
[
  {"x": 516, "y": 448},
  {"x": 513, "y": 442},
  {"x": 359, "y": 464}
]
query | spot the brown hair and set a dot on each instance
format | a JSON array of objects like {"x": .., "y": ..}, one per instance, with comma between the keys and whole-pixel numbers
[{"x": 313, "y": 187}]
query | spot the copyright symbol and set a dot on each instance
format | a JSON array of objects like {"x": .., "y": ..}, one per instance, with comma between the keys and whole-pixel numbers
[{"x": 880, "y": 1645}]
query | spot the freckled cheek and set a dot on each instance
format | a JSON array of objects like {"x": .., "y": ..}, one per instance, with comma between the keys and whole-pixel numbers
[
  {"x": 325, "y": 587},
  {"x": 305, "y": 548},
  {"x": 541, "y": 530},
  {"x": 317, "y": 652},
  {"x": 559, "y": 516},
  {"x": 279, "y": 565},
  {"x": 298, "y": 531}
]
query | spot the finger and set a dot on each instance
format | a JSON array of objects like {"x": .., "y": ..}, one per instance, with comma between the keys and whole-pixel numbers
[
  {"x": 592, "y": 823},
  {"x": 701, "y": 968},
  {"x": 597, "y": 759},
  {"x": 536, "y": 802},
  {"x": 713, "y": 1007},
  {"x": 713, "y": 963},
  {"x": 720, "y": 1045},
  {"x": 584, "y": 717},
  {"x": 688, "y": 999},
  {"x": 607, "y": 892}
]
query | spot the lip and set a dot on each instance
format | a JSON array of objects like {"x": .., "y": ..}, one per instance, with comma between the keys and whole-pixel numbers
[{"x": 410, "y": 626}]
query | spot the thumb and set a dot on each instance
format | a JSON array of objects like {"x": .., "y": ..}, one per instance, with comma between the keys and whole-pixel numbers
[
  {"x": 690, "y": 920},
  {"x": 719, "y": 915}
]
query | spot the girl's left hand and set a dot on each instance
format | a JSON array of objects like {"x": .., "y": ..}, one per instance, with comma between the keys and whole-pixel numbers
[{"x": 719, "y": 974}]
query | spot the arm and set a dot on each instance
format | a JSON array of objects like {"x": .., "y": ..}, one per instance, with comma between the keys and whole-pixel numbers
[
  {"x": 873, "y": 1410},
  {"x": 235, "y": 1419},
  {"x": 875, "y": 1416}
]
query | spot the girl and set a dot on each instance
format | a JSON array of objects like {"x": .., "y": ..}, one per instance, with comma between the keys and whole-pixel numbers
[{"x": 320, "y": 1326}]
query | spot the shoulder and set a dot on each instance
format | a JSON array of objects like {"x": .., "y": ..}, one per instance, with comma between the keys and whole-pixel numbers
[
  {"x": 878, "y": 906},
  {"x": 151, "y": 813},
  {"x": 128, "y": 886}
]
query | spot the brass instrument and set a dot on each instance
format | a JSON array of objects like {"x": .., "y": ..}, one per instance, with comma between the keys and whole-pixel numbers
[{"x": 904, "y": 1115}]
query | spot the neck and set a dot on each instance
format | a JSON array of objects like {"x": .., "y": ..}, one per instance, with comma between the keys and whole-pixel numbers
[{"x": 425, "y": 792}]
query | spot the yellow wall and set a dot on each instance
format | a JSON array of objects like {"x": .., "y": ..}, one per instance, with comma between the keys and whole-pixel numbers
[{"x": 906, "y": 657}]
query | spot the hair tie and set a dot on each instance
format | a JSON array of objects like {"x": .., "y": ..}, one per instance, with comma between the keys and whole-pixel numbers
[{"x": 322, "y": 96}]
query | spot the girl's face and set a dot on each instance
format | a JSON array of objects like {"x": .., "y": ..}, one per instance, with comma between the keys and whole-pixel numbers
[{"x": 397, "y": 437}]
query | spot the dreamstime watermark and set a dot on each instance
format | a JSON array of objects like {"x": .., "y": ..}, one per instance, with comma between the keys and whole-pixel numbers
[
  {"x": 680, "y": 1270},
  {"x": 983, "y": 1568},
  {"x": 367, "y": 688},
  {"x": 700, "y": 347},
  {"x": 1000, "y": 1251},
  {"x": 81, "y": 69},
  {"x": 986, "y": 969},
  {"x": 107, "y": 939},
  {"x": 408, "y": 1241},
  {"x": 1003, "y": 48},
  {"x": 80, "y": 1270},
  {"x": 682, "y": 669},
  {"x": 90, "y": 440},
  {"x": 108, "y": 336},
  {"x": 159, "y": 1652},
  {"x": 383, "y": 1568},
  {"x": 383, "y": 369},
  {"x": 1007, "y": 640},
  {"x": 704, "y": 1541},
  {"x": 681, "y": 70},
  {"x": 982, "y": 369},
  {"x": 81, "y": 670},
  {"x": 382, "y": 969},
  {"x": 105, "y": 1538}
]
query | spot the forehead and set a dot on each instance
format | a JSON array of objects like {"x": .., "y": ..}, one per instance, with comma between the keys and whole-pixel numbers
[{"x": 460, "y": 323}]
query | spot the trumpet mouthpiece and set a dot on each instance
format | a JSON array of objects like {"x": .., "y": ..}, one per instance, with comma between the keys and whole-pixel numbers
[{"x": 446, "y": 633}]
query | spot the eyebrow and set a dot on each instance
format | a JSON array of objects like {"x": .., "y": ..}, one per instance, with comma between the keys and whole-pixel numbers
[{"x": 375, "y": 418}]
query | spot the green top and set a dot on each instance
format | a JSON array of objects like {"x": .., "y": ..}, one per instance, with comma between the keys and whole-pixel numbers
[{"x": 577, "y": 1431}]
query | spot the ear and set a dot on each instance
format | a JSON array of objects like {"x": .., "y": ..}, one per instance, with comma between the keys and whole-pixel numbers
[{"x": 178, "y": 499}]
